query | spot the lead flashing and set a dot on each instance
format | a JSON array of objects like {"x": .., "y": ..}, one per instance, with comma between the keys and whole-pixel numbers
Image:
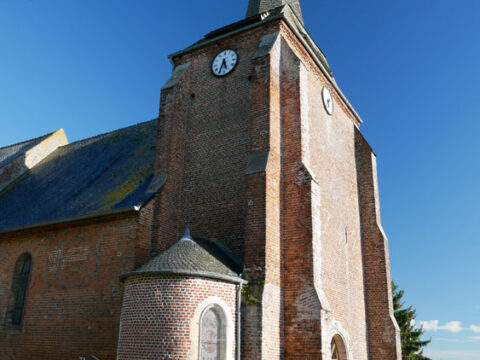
[
  {"x": 257, "y": 163},
  {"x": 266, "y": 45},
  {"x": 157, "y": 183}
]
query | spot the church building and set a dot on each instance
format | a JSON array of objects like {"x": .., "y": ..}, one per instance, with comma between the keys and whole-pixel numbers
[{"x": 242, "y": 223}]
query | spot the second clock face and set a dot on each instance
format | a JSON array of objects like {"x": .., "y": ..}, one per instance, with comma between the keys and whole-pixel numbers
[
  {"x": 327, "y": 100},
  {"x": 224, "y": 62}
]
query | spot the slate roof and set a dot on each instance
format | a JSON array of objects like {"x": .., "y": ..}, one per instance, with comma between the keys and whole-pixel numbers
[
  {"x": 93, "y": 176},
  {"x": 10, "y": 152},
  {"x": 194, "y": 257}
]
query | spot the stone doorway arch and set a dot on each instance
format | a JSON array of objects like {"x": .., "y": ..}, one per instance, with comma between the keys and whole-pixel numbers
[{"x": 339, "y": 351}]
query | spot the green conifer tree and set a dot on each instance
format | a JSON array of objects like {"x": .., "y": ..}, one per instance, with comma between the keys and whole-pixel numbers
[{"x": 412, "y": 344}]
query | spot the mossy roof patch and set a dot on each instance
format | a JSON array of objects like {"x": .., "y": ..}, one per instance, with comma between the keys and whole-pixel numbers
[{"x": 92, "y": 176}]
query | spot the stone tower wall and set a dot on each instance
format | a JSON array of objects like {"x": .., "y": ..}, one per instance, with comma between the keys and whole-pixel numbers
[
  {"x": 297, "y": 218},
  {"x": 320, "y": 230},
  {"x": 203, "y": 147},
  {"x": 210, "y": 131},
  {"x": 327, "y": 168},
  {"x": 327, "y": 148}
]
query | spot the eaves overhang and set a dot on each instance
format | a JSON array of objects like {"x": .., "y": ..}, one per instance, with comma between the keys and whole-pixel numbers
[
  {"x": 186, "y": 273},
  {"x": 96, "y": 215}
]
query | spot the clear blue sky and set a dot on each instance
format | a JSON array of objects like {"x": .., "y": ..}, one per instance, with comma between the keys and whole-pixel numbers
[{"x": 410, "y": 68}]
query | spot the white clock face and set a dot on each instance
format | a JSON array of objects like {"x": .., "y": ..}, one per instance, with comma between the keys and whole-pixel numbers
[
  {"x": 327, "y": 100},
  {"x": 224, "y": 62}
]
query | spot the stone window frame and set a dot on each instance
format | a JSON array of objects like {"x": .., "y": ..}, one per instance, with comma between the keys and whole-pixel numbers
[
  {"x": 15, "y": 283},
  {"x": 224, "y": 310}
]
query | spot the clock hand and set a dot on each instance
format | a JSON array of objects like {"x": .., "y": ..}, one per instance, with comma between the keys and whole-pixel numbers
[{"x": 224, "y": 65}]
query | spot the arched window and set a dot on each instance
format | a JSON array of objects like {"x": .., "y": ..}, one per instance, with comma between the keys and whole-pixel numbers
[
  {"x": 20, "y": 287},
  {"x": 212, "y": 334}
]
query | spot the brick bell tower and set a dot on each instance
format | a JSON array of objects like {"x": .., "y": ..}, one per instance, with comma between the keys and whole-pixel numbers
[{"x": 260, "y": 153}]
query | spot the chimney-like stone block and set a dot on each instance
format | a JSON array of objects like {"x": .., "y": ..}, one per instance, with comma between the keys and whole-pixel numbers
[
  {"x": 260, "y": 6},
  {"x": 28, "y": 159}
]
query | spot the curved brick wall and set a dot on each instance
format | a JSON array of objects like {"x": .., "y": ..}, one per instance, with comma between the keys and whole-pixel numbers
[{"x": 158, "y": 312}]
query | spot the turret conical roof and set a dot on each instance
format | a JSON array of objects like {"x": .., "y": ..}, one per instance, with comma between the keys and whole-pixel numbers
[{"x": 194, "y": 257}]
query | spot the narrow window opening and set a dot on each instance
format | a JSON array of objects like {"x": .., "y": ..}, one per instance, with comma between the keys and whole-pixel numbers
[{"x": 20, "y": 287}]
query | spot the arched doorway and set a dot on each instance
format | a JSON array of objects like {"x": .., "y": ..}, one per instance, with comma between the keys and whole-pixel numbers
[{"x": 339, "y": 351}]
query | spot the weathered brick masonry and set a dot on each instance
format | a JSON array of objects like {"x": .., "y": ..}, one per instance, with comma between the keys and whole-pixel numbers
[
  {"x": 273, "y": 193},
  {"x": 83, "y": 212},
  {"x": 166, "y": 306},
  {"x": 298, "y": 221},
  {"x": 75, "y": 295}
]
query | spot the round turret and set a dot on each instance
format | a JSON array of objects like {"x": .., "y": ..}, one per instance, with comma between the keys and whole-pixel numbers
[{"x": 182, "y": 304}]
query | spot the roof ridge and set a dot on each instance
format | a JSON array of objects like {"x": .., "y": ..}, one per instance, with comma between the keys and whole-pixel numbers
[
  {"x": 29, "y": 140},
  {"x": 108, "y": 133}
]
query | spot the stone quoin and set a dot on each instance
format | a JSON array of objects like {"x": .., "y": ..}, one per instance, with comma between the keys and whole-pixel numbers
[{"x": 243, "y": 223}]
